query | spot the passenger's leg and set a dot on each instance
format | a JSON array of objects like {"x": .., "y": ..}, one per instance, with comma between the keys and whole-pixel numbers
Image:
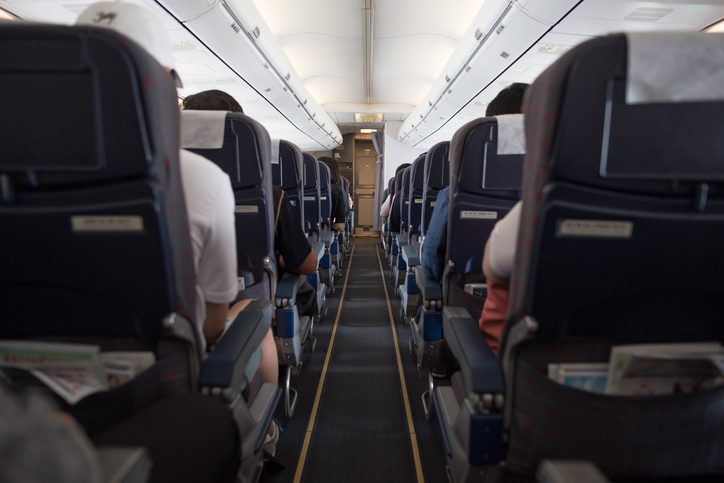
[{"x": 269, "y": 365}]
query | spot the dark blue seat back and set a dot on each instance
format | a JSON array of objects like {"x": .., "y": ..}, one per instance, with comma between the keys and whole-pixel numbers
[
  {"x": 288, "y": 174},
  {"x": 417, "y": 183},
  {"x": 620, "y": 242},
  {"x": 405, "y": 202},
  {"x": 325, "y": 192},
  {"x": 246, "y": 157},
  {"x": 93, "y": 219},
  {"x": 437, "y": 177},
  {"x": 484, "y": 186},
  {"x": 312, "y": 194}
]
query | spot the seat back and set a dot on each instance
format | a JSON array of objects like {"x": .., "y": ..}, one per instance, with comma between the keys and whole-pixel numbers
[
  {"x": 288, "y": 174},
  {"x": 437, "y": 177},
  {"x": 95, "y": 246},
  {"x": 417, "y": 184},
  {"x": 245, "y": 155},
  {"x": 405, "y": 201},
  {"x": 312, "y": 195},
  {"x": 326, "y": 195},
  {"x": 484, "y": 186},
  {"x": 345, "y": 188},
  {"x": 622, "y": 224}
]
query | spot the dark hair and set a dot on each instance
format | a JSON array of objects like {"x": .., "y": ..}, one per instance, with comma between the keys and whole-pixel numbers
[
  {"x": 508, "y": 101},
  {"x": 401, "y": 167},
  {"x": 333, "y": 169},
  {"x": 213, "y": 100}
]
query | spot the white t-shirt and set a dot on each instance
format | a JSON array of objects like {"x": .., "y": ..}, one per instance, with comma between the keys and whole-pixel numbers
[
  {"x": 503, "y": 241},
  {"x": 385, "y": 208},
  {"x": 210, "y": 207}
]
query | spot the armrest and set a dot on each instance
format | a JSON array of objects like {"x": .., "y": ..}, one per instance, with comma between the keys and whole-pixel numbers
[
  {"x": 224, "y": 366},
  {"x": 409, "y": 255},
  {"x": 481, "y": 369},
  {"x": 288, "y": 286},
  {"x": 318, "y": 249},
  {"x": 124, "y": 464},
  {"x": 401, "y": 239},
  {"x": 328, "y": 238},
  {"x": 429, "y": 288}
]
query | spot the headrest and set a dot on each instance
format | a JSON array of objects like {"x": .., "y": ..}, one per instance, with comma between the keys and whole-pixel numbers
[
  {"x": 202, "y": 129},
  {"x": 406, "y": 180},
  {"x": 311, "y": 171},
  {"x": 418, "y": 173},
  {"x": 668, "y": 142},
  {"x": 245, "y": 151},
  {"x": 324, "y": 176},
  {"x": 437, "y": 166},
  {"x": 72, "y": 116},
  {"x": 476, "y": 166},
  {"x": 398, "y": 180},
  {"x": 290, "y": 157}
]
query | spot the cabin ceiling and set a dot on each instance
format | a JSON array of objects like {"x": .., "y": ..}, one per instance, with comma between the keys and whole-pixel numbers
[{"x": 312, "y": 71}]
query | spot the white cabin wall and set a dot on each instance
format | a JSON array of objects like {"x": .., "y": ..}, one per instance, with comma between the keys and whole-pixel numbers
[{"x": 396, "y": 153}]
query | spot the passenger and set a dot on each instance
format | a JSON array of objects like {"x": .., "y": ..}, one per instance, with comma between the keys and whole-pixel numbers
[
  {"x": 395, "y": 209},
  {"x": 337, "y": 218},
  {"x": 207, "y": 189},
  {"x": 387, "y": 203},
  {"x": 213, "y": 100},
  {"x": 508, "y": 101},
  {"x": 291, "y": 245}
]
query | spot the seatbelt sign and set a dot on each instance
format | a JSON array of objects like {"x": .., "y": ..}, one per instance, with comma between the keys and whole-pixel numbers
[
  {"x": 479, "y": 215},
  {"x": 81, "y": 224},
  {"x": 246, "y": 209},
  {"x": 595, "y": 228}
]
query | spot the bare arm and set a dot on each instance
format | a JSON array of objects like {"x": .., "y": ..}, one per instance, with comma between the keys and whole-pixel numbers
[{"x": 216, "y": 315}]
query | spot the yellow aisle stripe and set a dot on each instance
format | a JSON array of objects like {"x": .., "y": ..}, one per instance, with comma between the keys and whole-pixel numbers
[
  {"x": 315, "y": 407},
  {"x": 408, "y": 411}
]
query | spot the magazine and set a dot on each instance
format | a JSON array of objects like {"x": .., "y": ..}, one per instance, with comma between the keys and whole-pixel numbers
[
  {"x": 74, "y": 371},
  {"x": 589, "y": 377}
]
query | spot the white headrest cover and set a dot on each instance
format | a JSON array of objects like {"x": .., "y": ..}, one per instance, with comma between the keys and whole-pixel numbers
[
  {"x": 674, "y": 67},
  {"x": 202, "y": 129},
  {"x": 511, "y": 134}
]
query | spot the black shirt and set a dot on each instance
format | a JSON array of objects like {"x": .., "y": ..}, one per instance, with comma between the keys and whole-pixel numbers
[
  {"x": 289, "y": 241},
  {"x": 338, "y": 211}
]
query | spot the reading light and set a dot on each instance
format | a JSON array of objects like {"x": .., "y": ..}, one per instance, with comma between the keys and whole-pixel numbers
[{"x": 367, "y": 131}]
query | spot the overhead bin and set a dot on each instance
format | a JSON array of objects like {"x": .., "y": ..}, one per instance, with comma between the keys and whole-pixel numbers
[
  {"x": 238, "y": 34},
  {"x": 497, "y": 36}
]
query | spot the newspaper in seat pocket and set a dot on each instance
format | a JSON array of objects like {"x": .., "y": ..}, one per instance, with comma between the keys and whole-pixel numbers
[
  {"x": 74, "y": 371},
  {"x": 651, "y": 369},
  {"x": 587, "y": 376}
]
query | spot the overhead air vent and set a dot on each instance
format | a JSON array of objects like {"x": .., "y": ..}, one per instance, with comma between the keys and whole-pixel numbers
[
  {"x": 648, "y": 14},
  {"x": 256, "y": 32}
]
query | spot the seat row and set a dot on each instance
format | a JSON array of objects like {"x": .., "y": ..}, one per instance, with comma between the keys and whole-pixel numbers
[{"x": 620, "y": 227}]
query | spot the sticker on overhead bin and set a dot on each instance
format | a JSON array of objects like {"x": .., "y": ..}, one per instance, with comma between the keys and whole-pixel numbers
[
  {"x": 479, "y": 215},
  {"x": 596, "y": 228},
  {"x": 246, "y": 209},
  {"x": 310, "y": 198},
  {"x": 106, "y": 223}
]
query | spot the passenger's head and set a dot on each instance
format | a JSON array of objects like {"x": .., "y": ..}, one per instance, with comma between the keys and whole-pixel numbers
[
  {"x": 508, "y": 101},
  {"x": 333, "y": 169},
  {"x": 401, "y": 167},
  {"x": 213, "y": 100},
  {"x": 136, "y": 23}
]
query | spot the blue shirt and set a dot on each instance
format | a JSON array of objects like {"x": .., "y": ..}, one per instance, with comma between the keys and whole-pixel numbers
[{"x": 433, "y": 252}]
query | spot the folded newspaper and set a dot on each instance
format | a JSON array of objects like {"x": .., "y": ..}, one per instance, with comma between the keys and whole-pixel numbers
[
  {"x": 74, "y": 371},
  {"x": 656, "y": 369}
]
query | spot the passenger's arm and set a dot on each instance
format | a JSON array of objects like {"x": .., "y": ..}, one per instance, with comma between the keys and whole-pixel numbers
[
  {"x": 385, "y": 209},
  {"x": 500, "y": 248},
  {"x": 308, "y": 266},
  {"x": 216, "y": 316}
]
